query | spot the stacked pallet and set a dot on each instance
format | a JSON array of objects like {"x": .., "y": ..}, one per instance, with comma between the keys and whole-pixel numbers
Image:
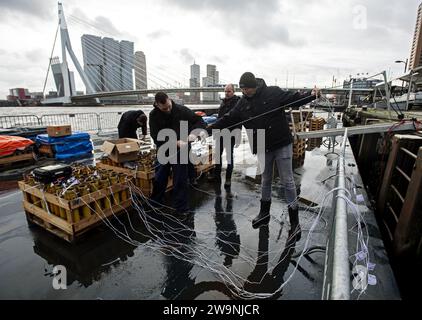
[
  {"x": 46, "y": 150},
  {"x": 298, "y": 144},
  {"x": 15, "y": 150},
  {"x": 301, "y": 115},
  {"x": 68, "y": 212},
  {"x": 19, "y": 156},
  {"x": 315, "y": 124}
]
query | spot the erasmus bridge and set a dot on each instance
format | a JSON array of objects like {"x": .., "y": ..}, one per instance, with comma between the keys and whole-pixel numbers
[{"x": 94, "y": 92}]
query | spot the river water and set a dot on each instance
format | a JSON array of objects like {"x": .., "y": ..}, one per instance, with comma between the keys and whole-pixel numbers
[{"x": 39, "y": 111}]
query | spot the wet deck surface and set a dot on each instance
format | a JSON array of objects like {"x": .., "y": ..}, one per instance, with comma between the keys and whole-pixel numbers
[{"x": 214, "y": 254}]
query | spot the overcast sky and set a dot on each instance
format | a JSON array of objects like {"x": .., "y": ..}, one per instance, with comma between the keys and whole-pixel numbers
[{"x": 310, "y": 40}]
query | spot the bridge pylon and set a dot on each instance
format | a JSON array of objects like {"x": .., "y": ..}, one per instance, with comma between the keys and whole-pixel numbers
[{"x": 67, "y": 48}]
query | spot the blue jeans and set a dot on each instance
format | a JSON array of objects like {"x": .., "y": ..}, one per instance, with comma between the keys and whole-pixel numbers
[
  {"x": 283, "y": 159},
  {"x": 180, "y": 185}
]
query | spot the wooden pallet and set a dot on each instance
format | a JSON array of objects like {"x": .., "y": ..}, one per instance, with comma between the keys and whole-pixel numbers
[
  {"x": 299, "y": 126},
  {"x": 316, "y": 124},
  {"x": 47, "y": 150},
  {"x": 313, "y": 143},
  {"x": 144, "y": 180},
  {"x": 306, "y": 114},
  {"x": 297, "y": 163},
  {"x": 42, "y": 208},
  {"x": 203, "y": 168},
  {"x": 10, "y": 160}
]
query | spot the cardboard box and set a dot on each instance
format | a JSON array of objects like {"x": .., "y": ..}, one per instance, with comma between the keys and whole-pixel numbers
[
  {"x": 59, "y": 131},
  {"x": 122, "y": 150}
]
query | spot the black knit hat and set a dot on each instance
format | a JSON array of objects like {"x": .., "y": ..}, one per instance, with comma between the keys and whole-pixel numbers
[{"x": 247, "y": 80}]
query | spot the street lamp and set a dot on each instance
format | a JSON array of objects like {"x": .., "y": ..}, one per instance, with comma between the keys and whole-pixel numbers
[
  {"x": 405, "y": 69},
  {"x": 405, "y": 63}
]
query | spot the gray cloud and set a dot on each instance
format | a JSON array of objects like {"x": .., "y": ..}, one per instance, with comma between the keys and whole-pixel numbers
[
  {"x": 105, "y": 24},
  {"x": 395, "y": 14},
  {"x": 236, "y": 7},
  {"x": 40, "y": 9},
  {"x": 186, "y": 55},
  {"x": 158, "y": 34},
  {"x": 219, "y": 59},
  {"x": 264, "y": 33},
  {"x": 35, "y": 55},
  {"x": 100, "y": 25},
  {"x": 257, "y": 23}
]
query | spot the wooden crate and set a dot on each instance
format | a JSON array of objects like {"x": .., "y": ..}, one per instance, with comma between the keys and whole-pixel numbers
[
  {"x": 144, "y": 180},
  {"x": 299, "y": 162},
  {"x": 298, "y": 148},
  {"x": 41, "y": 211},
  {"x": 316, "y": 124},
  {"x": 313, "y": 143},
  {"x": 296, "y": 115},
  {"x": 47, "y": 150},
  {"x": 203, "y": 168}
]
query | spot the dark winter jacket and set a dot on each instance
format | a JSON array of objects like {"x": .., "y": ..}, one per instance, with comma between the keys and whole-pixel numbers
[
  {"x": 265, "y": 110},
  {"x": 225, "y": 107},
  {"x": 128, "y": 125},
  {"x": 159, "y": 120}
]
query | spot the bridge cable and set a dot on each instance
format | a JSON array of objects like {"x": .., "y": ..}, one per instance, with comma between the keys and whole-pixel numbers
[{"x": 49, "y": 62}]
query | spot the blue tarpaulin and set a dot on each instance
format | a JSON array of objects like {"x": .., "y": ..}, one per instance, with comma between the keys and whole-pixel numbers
[
  {"x": 209, "y": 119},
  {"x": 77, "y": 145}
]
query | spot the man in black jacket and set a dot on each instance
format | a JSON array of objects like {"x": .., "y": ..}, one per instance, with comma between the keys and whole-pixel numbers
[
  {"x": 130, "y": 122},
  {"x": 262, "y": 107},
  {"x": 226, "y": 105},
  {"x": 168, "y": 115}
]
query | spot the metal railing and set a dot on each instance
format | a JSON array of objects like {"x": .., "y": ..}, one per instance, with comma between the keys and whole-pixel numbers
[
  {"x": 26, "y": 120},
  {"x": 337, "y": 271},
  {"x": 78, "y": 121},
  {"x": 91, "y": 122},
  {"x": 341, "y": 271},
  {"x": 109, "y": 120}
]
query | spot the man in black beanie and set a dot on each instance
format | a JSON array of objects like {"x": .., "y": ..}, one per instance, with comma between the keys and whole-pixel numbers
[{"x": 262, "y": 107}]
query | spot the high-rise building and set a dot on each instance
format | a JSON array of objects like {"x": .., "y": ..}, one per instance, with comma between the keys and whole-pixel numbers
[
  {"x": 56, "y": 68},
  {"x": 108, "y": 63},
  {"x": 111, "y": 63},
  {"x": 207, "y": 96},
  {"x": 416, "y": 53},
  {"x": 92, "y": 52},
  {"x": 127, "y": 57},
  {"x": 195, "y": 81},
  {"x": 211, "y": 80},
  {"x": 140, "y": 71},
  {"x": 18, "y": 93},
  {"x": 195, "y": 74}
]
